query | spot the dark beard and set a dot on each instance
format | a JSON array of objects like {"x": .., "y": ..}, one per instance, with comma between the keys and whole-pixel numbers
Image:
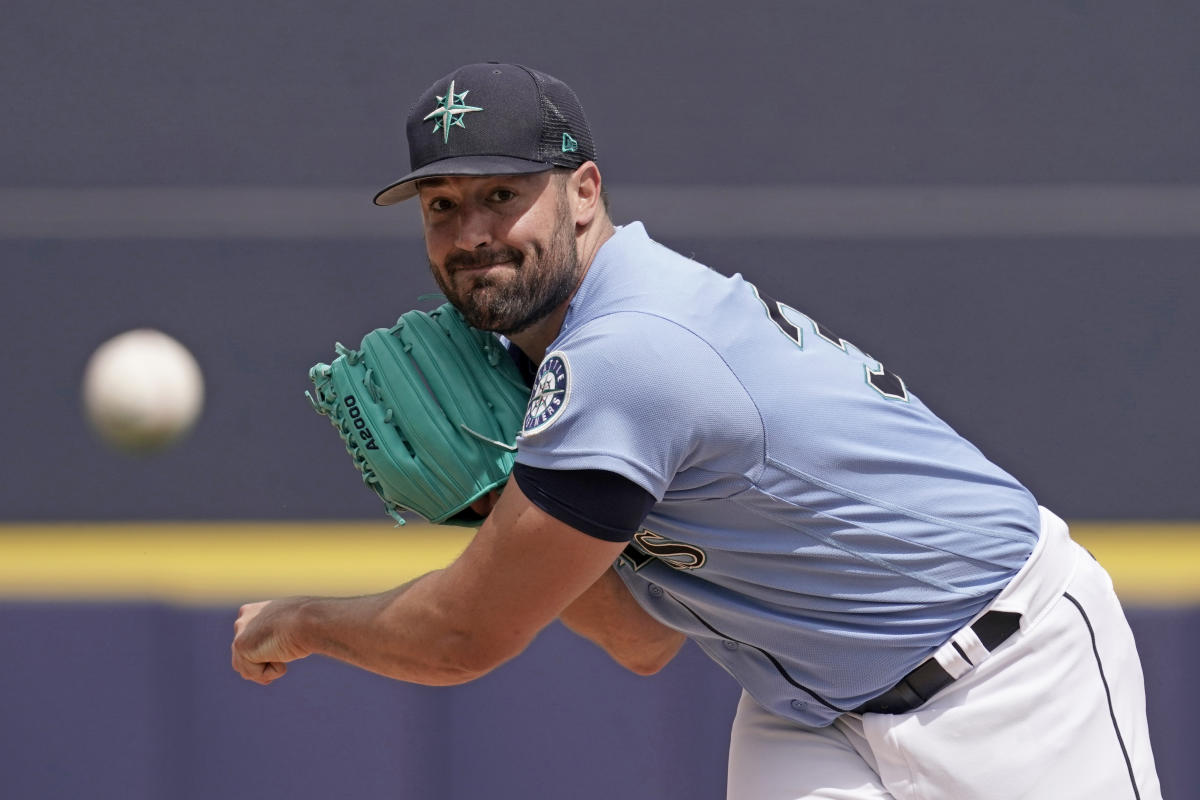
[{"x": 509, "y": 307}]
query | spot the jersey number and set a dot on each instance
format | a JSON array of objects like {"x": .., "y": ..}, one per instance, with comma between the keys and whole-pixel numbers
[{"x": 788, "y": 320}]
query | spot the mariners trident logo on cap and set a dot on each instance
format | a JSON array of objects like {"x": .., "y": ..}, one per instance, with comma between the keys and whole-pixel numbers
[{"x": 450, "y": 110}]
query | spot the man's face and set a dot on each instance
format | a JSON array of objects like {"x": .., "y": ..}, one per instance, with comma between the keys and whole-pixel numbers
[{"x": 502, "y": 248}]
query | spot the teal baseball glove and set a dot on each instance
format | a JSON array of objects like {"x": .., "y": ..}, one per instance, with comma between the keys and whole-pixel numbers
[{"x": 429, "y": 410}]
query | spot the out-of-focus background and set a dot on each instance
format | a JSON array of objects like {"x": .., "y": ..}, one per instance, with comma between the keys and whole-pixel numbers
[{"x": 999, "y": 201}]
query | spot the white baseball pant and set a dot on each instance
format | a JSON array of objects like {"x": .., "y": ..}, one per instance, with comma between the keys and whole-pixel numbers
[{"x": 1057, "y": 711}]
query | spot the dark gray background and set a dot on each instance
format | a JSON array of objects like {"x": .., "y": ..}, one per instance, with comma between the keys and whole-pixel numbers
[
  {"x": 1000, "y": 201},
  {"x": 1061, "y": 343},
  {"x": 286, "y": 93}
]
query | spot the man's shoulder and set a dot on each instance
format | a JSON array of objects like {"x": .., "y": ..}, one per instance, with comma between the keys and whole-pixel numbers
[
  {"x": 630, "y": 256},
  {"x": 636, "y": 339},
  {"x": 648, "y": 286}
]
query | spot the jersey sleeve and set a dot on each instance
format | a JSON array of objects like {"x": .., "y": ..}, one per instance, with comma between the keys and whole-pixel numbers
[
  {"x": 636, "y": 395},
  {"x": 601, "y": 504}
]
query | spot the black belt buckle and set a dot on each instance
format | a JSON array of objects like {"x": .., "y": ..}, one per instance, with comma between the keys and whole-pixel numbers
[{"x": 993, "y": 628}]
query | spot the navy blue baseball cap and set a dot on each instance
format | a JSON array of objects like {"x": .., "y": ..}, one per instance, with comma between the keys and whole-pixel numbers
[{"x": 492, "y": 119}]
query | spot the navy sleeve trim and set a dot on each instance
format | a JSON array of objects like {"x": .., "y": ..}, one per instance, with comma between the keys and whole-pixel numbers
[
  {"x": 600, "y": 503},
  {"x": 524, "y": 363}
]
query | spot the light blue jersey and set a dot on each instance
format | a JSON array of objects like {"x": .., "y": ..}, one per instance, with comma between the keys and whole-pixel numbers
[{"x": 818, "y": 531}]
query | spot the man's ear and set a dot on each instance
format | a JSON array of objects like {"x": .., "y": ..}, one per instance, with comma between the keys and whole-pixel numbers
[{"x": 584, "y": 190}]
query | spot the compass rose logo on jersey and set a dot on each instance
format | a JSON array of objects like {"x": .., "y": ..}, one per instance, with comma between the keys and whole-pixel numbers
[
  {"x": 450, "y": 109},
  {"x": 551, "y": 390}
]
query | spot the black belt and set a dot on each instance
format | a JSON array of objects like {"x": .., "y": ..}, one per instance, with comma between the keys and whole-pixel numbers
[{"x": 930, "y": 677}]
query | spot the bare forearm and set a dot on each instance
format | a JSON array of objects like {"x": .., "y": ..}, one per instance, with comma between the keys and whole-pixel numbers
[
  {"x": 400, "y": 634},
  {"x": 451, "y": 625},
  {"x": 609, "y": 616}
]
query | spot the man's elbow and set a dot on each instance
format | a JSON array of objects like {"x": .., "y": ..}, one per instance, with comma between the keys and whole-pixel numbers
[
  {"x": 471, "y": 657},
  {"x": 647, "y": 661},
  {"x": 645, "y": 667}
]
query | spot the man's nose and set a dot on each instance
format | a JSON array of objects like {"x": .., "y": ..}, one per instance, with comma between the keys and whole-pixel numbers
[{"x": 474, "y": 228}]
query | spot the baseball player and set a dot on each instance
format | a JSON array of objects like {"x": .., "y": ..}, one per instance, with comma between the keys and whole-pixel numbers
[{"x": 699, "y": 460}]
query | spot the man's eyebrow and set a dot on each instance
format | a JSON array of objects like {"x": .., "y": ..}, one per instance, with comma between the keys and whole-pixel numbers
[{"x": 431, "y": 182}]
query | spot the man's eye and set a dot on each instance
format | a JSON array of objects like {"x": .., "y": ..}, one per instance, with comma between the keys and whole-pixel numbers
[
  {"x": 502, "y": 195},
  {"x": 440, "y": 204}
]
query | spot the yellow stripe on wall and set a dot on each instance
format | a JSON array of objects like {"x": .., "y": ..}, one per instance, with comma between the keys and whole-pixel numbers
[
  {"x": 217, "y": 563},
  {"x": 1151, "y": 563}
]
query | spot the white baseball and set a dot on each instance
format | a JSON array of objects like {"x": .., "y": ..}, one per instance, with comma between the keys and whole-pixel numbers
[{"x": 142, "y": 390}]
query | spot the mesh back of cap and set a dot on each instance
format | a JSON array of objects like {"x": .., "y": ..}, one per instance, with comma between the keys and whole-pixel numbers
[{"x": 564, "y": 125}]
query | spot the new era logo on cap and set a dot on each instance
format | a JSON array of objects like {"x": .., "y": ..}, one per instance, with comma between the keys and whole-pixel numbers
[{"x": 520, "y": 121}]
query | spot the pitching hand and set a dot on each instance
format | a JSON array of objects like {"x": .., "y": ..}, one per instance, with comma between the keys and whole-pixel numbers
[{"x": 264, "y": 640}]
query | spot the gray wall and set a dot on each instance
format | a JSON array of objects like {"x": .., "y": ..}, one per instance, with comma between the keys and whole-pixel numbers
[
  {"x": 1019, "y": 243},
  {"x": 149, "y": 150}
]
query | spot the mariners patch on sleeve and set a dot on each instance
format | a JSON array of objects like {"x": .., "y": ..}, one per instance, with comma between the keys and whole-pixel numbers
[{"x": 551, "y": 391}]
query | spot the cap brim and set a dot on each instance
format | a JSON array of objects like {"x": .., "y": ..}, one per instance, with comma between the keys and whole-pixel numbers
[{"x": 476, "y": 166}]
